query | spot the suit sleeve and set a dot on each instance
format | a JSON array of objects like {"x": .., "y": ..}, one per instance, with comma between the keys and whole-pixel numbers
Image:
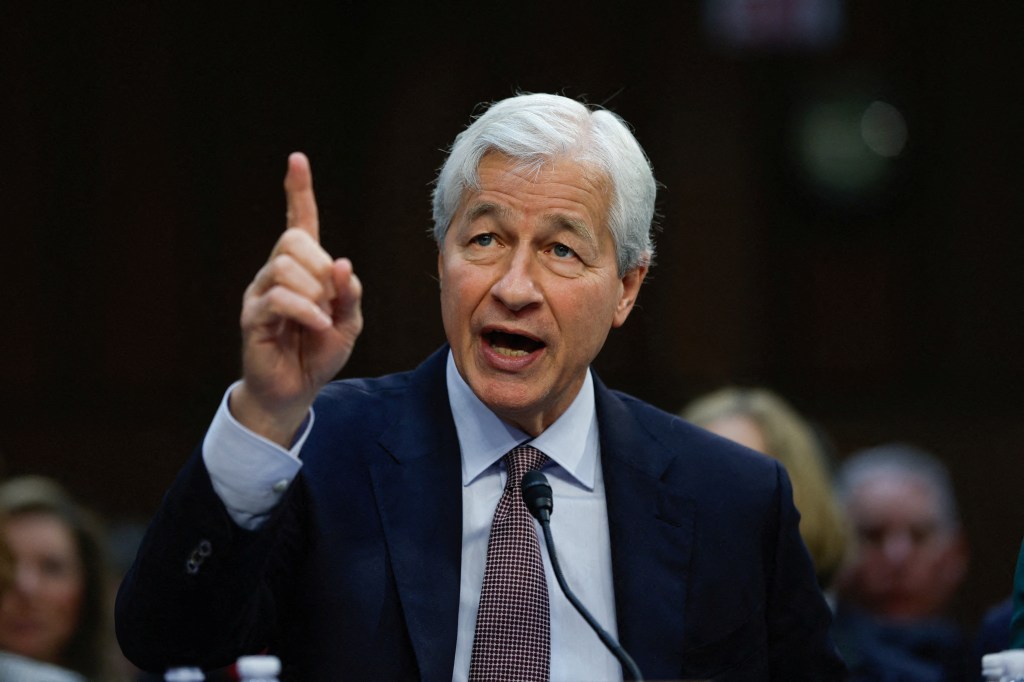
[
  {"x": 203, "y": 590},
  {"x": 800, "y": 647}
]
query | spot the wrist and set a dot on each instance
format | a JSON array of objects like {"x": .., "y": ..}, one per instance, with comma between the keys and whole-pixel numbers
[{"x": 277, "y": 423}]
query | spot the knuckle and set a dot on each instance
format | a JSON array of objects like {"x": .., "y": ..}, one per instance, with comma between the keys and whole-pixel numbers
[
  {"x": 277, "y": 297},
  {"x": 280, "y": 264},
  {"x": 290, "y": 238}
]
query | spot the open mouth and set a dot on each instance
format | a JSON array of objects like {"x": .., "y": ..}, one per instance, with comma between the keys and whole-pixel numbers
[{"x": 512, "y": 345}]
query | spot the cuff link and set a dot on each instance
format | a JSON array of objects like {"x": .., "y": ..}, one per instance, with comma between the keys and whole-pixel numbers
[{"x": 198, "y": 556}]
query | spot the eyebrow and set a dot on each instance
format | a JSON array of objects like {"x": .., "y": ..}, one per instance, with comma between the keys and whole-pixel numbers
[{"x": 578, "y": 227}]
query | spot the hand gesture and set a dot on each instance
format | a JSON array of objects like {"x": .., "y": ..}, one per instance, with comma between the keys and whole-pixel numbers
[{"x": 300, "y": 319}]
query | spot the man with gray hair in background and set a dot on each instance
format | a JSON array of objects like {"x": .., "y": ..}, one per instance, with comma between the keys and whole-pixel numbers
[
  {"x": 908, "y": 559},
  {"x": 374, "y": 528}
]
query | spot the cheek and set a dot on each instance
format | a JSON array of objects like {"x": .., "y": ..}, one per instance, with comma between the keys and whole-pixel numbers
[
  {"x": 67, "y": 609},
  {"x": 589, "y": 316},
  {"x": 70, "y": 599},
  {"x": 8, "y": 603},
  {"x": 451, "y": 308},
  {"x": 462, "y": 290},
  {"x": 65, "y": 599}
]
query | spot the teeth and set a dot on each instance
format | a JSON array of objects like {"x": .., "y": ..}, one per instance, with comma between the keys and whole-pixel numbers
[{"x": 510, "y": 352}]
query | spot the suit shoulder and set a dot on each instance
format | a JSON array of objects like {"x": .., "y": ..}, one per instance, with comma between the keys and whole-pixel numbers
[
  {"x": 427, "y": 379},
  {"x": 365, "y": 387},
  {"x": 676, "y": 433},
  {"x": 696, "y": 453},
  {"x": 361, "y": 403}
]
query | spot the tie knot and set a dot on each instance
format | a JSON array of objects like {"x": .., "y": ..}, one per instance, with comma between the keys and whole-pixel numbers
[{"x": 521, "y": 459}]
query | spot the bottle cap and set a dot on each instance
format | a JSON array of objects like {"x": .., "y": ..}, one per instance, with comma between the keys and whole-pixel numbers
[
  {"x": 184, "y": 675},
  {"x": 992, "y": 660},
  {"x": 258, "y": 666}
]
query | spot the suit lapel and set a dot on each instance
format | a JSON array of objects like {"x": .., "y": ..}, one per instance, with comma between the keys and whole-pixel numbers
[
  {"x": 419, "y": 495},
  {"x": 420, "y": 499},
  {"x": 652, "y": 531}
]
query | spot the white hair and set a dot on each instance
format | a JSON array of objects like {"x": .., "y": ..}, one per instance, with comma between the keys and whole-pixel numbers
[
  {"x": 535, "y": 129},
  {"x": 895, "y": 459}
]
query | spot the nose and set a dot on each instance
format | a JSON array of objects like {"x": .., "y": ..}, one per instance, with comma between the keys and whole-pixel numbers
[
  {"x": 517, "y": 287},
  {"x": 897, "y": 547}
]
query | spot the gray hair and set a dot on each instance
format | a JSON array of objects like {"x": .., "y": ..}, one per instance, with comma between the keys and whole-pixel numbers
[
  {"x": 535, "y": 129},
  {"x": 906, "y": 460}
]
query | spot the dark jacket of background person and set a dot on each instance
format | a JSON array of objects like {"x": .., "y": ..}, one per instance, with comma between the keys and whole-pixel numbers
[
  {"x": 993, "y": 633},
  {"x": 881, "y": 650}
]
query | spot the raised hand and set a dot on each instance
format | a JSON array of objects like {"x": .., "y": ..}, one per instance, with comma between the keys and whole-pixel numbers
[{"x": 300, "y": 319}]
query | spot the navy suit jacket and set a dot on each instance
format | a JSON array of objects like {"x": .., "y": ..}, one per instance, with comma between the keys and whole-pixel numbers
[{"x": 356, "y": 573}]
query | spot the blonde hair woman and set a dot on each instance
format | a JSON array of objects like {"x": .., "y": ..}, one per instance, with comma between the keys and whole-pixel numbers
[{"x": 763, "y": 421}]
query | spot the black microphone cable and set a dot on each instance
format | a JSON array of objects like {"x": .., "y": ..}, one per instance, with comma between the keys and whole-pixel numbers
[{"x": 539, "y": 500}]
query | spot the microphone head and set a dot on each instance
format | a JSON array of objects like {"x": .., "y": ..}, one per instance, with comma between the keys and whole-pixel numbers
[{"x": 537, "y": 495}]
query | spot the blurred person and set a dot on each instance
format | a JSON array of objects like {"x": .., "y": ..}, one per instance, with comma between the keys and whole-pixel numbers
[
  {"x": 1002, "y": 625},
  {"x": 763, "y": 421},
  {"x": 345, "y": 525},
  {"x": 57, "y": 607},
  {"x": 993, "y": 633},
  {"x": 909, "y": 556},
  {"x": 15, "y": 668}
]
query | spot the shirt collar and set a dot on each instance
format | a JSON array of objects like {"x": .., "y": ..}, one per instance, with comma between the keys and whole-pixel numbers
[{"x": 571, "y": 441}]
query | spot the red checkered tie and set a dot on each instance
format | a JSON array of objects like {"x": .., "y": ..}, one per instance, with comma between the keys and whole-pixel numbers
[{"x": 513, "y": 625}]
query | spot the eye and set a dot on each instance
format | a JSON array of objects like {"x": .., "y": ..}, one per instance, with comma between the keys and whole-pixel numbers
[
  {"x": 482, "y": 239},
  {"x": 53, "y": 567},
  {"x": 562, "y": 251},
  {"x": 921, "y": 533},
  {"x": 871, "y": 535}
]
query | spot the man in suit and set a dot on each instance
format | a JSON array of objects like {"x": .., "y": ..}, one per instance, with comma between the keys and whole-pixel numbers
[{"x": 345, "y": 525}]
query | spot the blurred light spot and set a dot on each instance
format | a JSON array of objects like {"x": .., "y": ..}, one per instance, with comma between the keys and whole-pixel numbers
[
  {"x": 774, "y": 25},
  {"x": 883, "y": 129},
  {"x": 833, "y": 151}
]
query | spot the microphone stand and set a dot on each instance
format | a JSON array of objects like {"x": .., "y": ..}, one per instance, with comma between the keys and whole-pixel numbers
[{"x": 538, "y": 498}]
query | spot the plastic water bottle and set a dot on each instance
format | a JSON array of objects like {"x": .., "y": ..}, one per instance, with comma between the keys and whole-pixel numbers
[
  {"x": 992, "y": 667},
  {"x": 1013, "y": 661},
  {"x": 184, "y": 675},
  {"x": 258, "y": 668}
]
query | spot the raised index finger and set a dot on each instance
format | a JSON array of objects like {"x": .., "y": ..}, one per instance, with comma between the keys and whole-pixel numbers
[{"x": 298, "y": 191}]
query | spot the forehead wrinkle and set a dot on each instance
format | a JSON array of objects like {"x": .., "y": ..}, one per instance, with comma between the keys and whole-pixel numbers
[{"x": 483, "y": 208}]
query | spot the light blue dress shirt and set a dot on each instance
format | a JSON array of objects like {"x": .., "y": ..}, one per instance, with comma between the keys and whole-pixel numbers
[{"x": 250, "y": 473}]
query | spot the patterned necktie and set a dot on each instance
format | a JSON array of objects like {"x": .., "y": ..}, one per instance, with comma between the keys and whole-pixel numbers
[{"x": 513, "y": 626}]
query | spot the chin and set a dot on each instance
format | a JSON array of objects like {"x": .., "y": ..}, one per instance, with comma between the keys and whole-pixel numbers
[{"x": 509, "y": 407}]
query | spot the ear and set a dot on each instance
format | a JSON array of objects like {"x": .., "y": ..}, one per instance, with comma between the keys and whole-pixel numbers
[
  {"x": 440, "y": 268},
  {"x": 631, "y": 282}
]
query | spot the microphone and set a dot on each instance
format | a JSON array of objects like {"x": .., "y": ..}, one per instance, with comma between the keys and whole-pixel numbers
[{"x": 539, "y": 500}]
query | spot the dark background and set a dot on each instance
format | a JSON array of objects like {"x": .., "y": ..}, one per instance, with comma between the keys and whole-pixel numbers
[{"x": 144, "y": 149}]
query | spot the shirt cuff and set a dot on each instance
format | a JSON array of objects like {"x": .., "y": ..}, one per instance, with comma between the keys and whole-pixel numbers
[{"x": 249, "y": 473}]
